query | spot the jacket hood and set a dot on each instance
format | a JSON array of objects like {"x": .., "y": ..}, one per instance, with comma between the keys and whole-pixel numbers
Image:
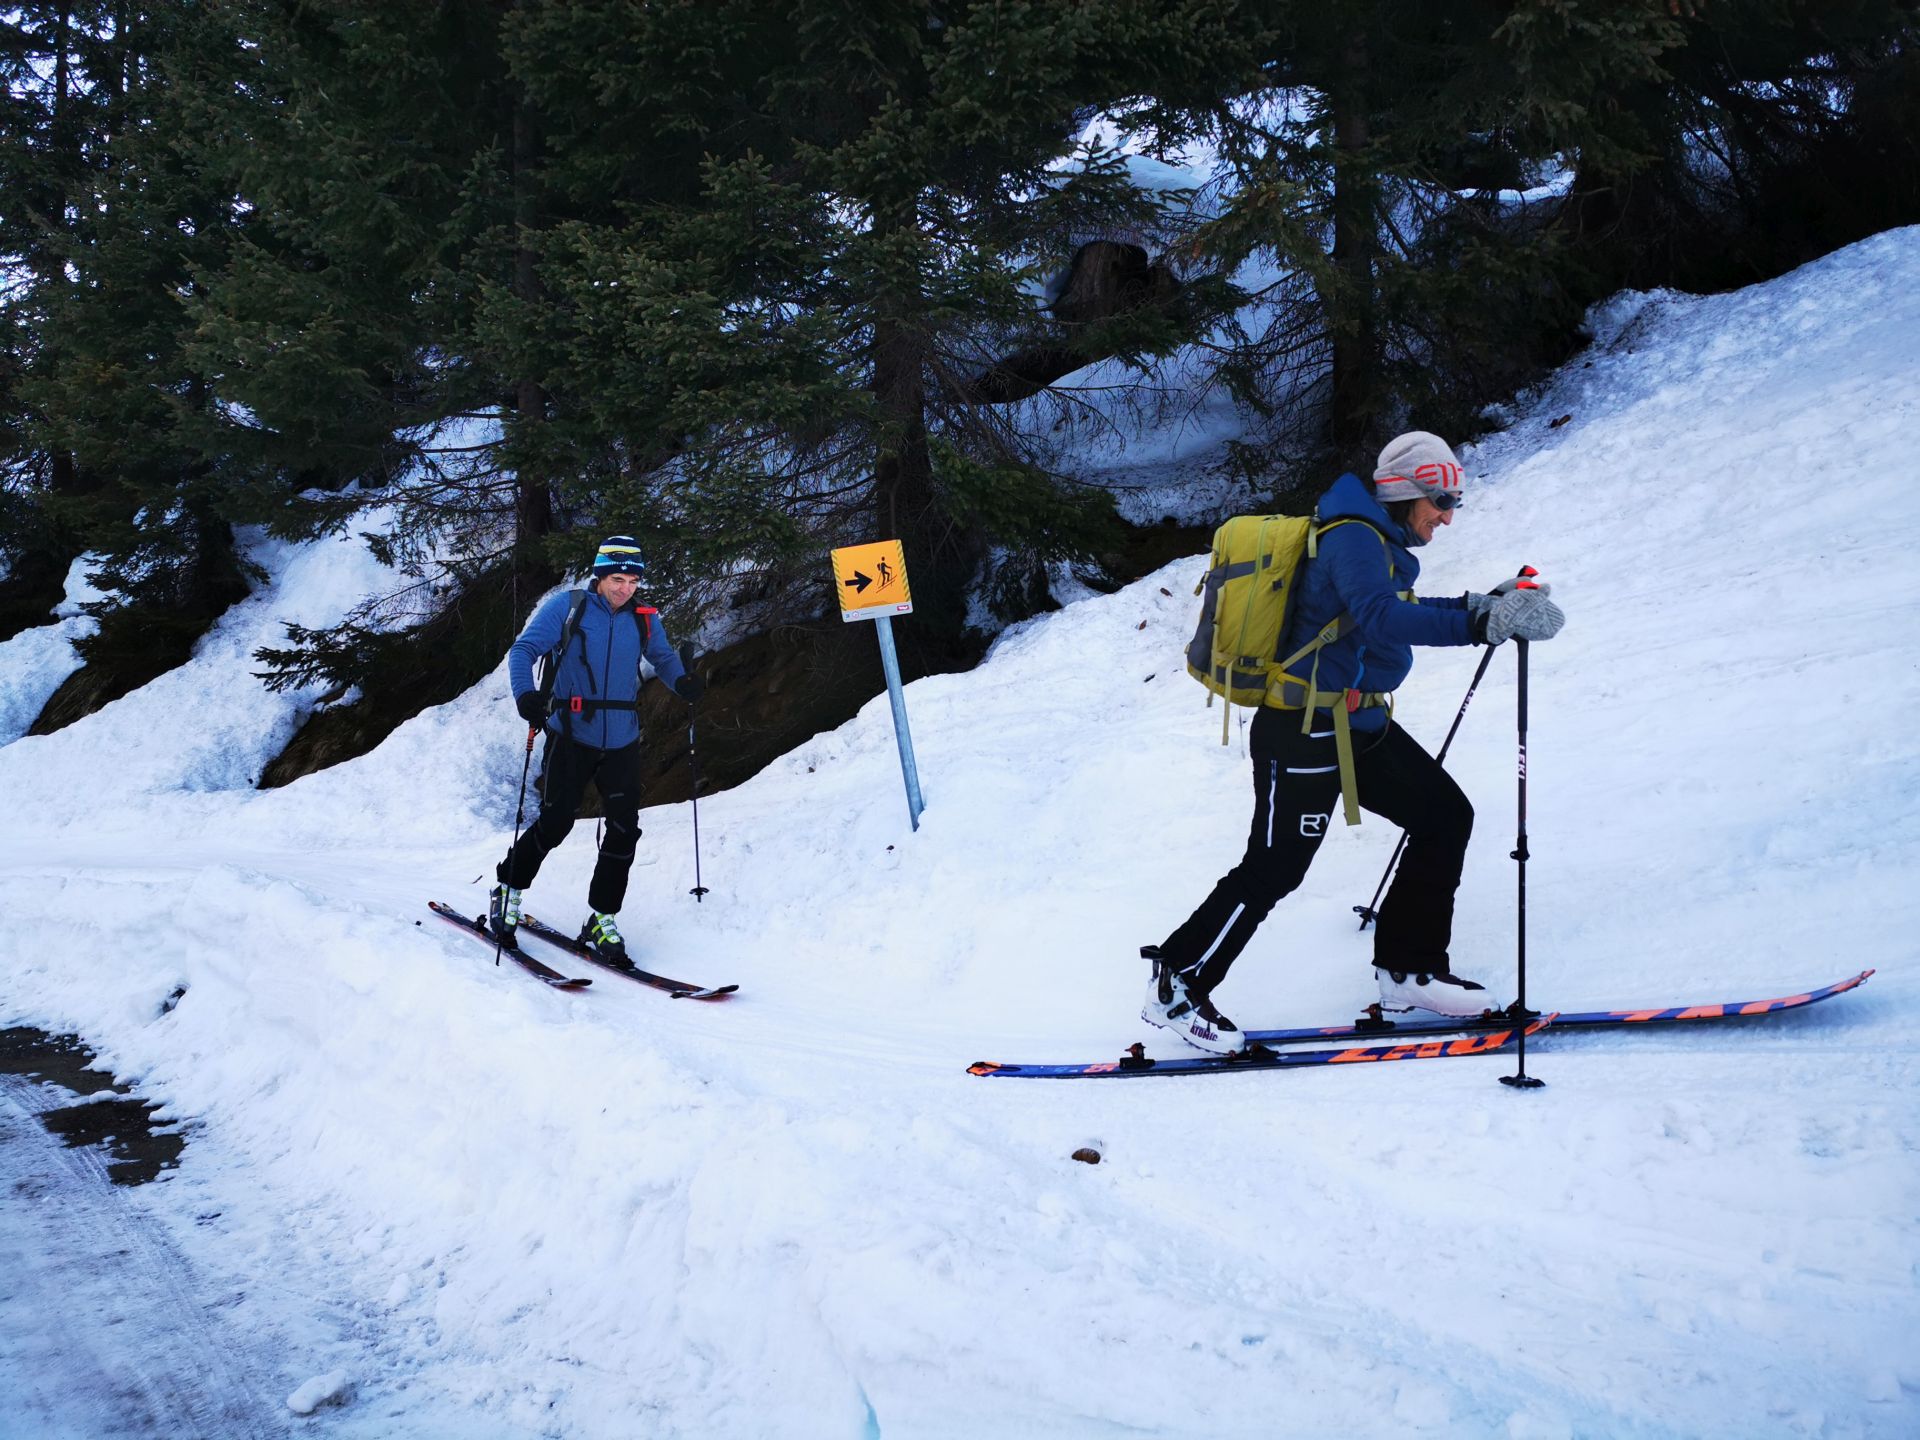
[{"x": 1351, "y": 498}]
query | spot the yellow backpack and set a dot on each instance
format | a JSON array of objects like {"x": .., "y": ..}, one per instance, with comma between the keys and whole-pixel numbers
[{"x": 1247, "y": 602}]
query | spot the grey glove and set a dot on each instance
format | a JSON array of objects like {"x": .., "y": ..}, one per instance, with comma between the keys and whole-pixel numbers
[
  {"x": 1478, "y": 604},
  {"x": 1520, "y": 615}
]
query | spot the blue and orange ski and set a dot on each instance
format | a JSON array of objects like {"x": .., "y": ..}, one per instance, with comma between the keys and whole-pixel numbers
[
  {"x": 1376, "y": 1027},
  {"x": 1258, "y": 1057},
  {"x": 1416, "y": 1039}
]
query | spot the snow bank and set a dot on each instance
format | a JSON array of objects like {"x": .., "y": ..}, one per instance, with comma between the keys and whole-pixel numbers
[{"x": 506, "y": 1210}]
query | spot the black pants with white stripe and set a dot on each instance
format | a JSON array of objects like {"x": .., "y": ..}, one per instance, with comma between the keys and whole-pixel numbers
[
  {"x": 567, "y": 769},
  {"x": 1296, "y": 797}
]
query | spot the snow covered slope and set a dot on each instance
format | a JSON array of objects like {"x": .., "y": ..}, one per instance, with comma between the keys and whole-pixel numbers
[{"x": 508, "y": 1211}]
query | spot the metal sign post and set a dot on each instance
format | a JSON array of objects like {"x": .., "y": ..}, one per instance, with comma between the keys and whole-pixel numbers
[{"x": 871, "y": 581}]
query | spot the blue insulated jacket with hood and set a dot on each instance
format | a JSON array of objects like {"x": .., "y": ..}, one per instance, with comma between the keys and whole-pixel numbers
[
  {"x": 1350, "y": 575},
  {"x": 602, "y": 663}
]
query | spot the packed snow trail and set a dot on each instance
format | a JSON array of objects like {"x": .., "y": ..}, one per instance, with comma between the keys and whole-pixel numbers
[
  {"x": 98, "y": 1351},
  {"x": 512, "y": 1211}
]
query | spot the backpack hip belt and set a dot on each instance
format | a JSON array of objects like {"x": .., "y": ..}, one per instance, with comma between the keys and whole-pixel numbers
[
  {"x": 585, "y": 706},
  {"x": 1288, "y": 693}
]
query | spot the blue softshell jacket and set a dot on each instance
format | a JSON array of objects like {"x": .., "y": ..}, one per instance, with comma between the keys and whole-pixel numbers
[
  {"x": 1350, "y": 575},
  {"x": 602, "y": 663}
]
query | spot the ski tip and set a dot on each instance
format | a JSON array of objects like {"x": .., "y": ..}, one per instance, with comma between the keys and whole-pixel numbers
[
  {"x": 984, "y": 1067},
  {"x": 713, "y": 992}
]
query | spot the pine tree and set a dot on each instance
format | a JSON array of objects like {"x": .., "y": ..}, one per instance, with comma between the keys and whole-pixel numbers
[
  {"x": 1378, "y": 169},
  {"x": 53, "y": 122},
  {"x": 121, "y": 221},
  {"x": 826, "y": 219},
  {"x": 391, "y": 170},
  {"x": 1719, "y": 143}
]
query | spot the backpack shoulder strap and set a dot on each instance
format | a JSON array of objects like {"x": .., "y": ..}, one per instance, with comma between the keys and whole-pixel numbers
[
  {"x": 576, "y": 602},
  {"x": 1343, "y": 622},
  {"x": 1338, "y": 703},
  {"x": 1313, "y": 536}
]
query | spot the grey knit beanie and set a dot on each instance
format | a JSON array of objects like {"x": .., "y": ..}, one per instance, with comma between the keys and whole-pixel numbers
[{"x": 1419, "y": 466}]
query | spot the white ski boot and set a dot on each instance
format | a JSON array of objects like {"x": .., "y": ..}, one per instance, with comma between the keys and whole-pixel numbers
[
  {"x": 1440, "y": 991},
  {"x": 1173, "y": 1005}
]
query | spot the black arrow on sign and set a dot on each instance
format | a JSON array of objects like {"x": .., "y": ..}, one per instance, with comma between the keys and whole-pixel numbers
[{"x": 859, "y": 582}]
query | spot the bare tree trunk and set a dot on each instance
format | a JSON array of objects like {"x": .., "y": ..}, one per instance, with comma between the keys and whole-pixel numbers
[
  {"x": 1353, "y": 331},
  {"x": 533, "y": 498},
  {"x": 903, "y": 467},
  {"x": 940, "y": 556}
]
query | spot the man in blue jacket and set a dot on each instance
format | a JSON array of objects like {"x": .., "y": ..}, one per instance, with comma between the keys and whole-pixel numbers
[
  {"x": 592, "y": 727},
  {"x": 1365, "y": 571}
]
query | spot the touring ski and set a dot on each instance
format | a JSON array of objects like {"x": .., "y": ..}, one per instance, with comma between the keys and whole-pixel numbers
[
  {"x": 679, "y": 989},
  {"x": 1374, "y": 1026},
  {"x": 1259, "y": 1057},
  {"x": 478, "y": 930}
]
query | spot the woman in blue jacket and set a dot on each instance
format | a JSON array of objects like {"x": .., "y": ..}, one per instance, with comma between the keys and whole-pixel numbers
[
  {"x": 1365, "y": 571},
  {"x": 592, "y": 726}
]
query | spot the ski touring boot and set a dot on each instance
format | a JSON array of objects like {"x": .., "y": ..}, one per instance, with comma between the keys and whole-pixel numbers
[
  {"x": 503, "y": 915},
  {"x": 1174, "y": 1005},
  {"x": 1439, "y": 991},
  {"x": 602, "y": 936}
]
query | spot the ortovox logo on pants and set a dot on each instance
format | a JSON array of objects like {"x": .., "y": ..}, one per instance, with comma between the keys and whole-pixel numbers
[{"x": 1313, "y": 824}]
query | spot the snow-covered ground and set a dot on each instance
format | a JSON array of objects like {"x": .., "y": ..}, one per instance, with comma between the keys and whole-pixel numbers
[{"x": 474, "y": 1206}]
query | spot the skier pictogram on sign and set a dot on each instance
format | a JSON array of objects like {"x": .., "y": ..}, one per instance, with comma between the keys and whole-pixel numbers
[{"x": 871, "y": 580}]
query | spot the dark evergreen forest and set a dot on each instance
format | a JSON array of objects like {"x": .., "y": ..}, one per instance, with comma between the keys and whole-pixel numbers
[{"x": 751, "y": 280}]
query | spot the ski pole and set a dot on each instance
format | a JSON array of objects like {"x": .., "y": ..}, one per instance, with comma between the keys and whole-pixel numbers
[
  {"x": 693, "y": 757},
  {"x": 1370, "y": 912},
  {"x": 1520, "y": 1080},
  {"x": 519, "y": 814}
]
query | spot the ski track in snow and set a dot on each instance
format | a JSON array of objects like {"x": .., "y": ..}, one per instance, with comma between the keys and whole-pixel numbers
[{"x": 508, "y": 1211}]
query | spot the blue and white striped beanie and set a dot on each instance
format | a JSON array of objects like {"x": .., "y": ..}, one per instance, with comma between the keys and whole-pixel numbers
[{"x": 618, "y": 555}]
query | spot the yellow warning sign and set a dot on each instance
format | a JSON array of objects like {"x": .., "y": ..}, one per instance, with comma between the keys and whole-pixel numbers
[{"x": 871, "y": 580}]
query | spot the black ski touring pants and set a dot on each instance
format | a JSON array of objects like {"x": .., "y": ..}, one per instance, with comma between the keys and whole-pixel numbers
[
  {"x": 565, "y": 769},
  {"x": 1296, "y": 796}
]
